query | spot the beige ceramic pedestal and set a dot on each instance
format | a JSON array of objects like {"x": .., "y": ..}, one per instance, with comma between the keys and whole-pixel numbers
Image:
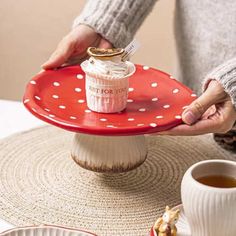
[{"x": 109, "y": 154}]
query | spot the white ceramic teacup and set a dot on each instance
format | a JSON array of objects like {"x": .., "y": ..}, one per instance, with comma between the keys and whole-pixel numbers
[{"x": 211, "y": 211}]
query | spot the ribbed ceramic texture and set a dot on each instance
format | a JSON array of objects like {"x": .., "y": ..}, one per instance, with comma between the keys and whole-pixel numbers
[
  {"x": 40, "y": 183},
  {"x": 45, "y": 231},
  {"x": 210, "y": 213},
  {"x": 120, "y": 153},
  {"x": 108, "y": 100}
]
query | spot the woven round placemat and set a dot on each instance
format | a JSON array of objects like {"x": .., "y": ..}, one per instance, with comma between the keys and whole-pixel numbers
[{"x": 40, "y": 183}]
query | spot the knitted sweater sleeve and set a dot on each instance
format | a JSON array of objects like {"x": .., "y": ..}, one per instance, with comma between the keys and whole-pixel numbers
[
  {"x": 226, "y": 75},
  {"x": 116, "y": 20}
]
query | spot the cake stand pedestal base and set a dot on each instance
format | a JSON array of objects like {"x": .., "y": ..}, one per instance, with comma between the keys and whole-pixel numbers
[{"x": 109, "y": 154}]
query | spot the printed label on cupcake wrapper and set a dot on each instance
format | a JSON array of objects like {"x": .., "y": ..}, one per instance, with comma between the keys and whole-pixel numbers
[{"x": 105, "y": 90}]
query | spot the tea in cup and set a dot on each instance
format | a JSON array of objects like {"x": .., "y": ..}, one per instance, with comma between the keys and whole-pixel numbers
[{"x": 208, "y": 193}]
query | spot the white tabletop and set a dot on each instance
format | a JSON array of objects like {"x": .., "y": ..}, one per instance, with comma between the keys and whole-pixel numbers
[{"x": 14, "y": 118}]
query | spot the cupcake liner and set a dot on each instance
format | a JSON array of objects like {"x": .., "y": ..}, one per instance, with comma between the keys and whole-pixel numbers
[
  {"x": 107, "y": 93},
  {"x": 106, "y": 104},
  {"x": 104, "y": 88}
]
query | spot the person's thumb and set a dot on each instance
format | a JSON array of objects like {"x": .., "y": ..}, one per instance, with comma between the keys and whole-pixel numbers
[{"x": 199, "y": 106}]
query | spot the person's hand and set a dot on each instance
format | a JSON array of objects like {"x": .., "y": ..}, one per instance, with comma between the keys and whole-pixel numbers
[
  {"x": 73, "y": 47},
  {"x": 212, "y": 112}
]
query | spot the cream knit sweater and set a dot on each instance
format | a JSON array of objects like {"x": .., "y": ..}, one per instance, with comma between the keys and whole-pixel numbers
[{"x": 205, "y": 35}]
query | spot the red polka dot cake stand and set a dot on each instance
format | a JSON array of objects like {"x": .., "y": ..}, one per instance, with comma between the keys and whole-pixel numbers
[{"x": 108, "y": 142}]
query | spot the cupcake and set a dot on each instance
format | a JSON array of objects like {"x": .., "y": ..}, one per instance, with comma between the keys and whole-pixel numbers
[{"x": 107, "y": 79}]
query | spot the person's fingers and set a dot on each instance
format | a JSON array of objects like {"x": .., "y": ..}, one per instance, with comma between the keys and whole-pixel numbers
[
  {"x": 220, "y": 122},
  {"x": 210, "y": 111},
  {"x": 75, "y": 60},
  {"x": 99, "y": 42},
  {"x": 60, "y": 56},
  {"x": 186, "y": 129},
  {"x": 67, "y": 47},
  {"x": 213, "y": 95},
  {"x": 57, "y": 59},
  {"x": 197, "y": 108},
  {"x": 104, "y": 44},
  {"x": 41, "y": 71},
  {"x": 200, "y": 127}
]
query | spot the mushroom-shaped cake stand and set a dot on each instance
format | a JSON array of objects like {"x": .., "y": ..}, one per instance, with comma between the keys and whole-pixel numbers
[{"x": 108, "y": 142}]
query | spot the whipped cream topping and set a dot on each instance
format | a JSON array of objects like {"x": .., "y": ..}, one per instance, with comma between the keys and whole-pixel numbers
[{"x": 114, "y": 67}]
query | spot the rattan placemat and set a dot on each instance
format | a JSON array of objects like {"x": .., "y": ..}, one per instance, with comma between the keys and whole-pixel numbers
[{"x": 40, "y": 183}]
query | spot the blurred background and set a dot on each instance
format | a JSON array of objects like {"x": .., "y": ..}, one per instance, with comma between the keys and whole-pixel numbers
[{"x": 30, "y": 31}]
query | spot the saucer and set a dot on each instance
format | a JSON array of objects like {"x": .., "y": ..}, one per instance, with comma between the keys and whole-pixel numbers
[{"x": 182, "y": 224}]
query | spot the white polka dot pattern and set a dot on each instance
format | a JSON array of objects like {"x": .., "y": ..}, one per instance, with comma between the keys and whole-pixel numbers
[
  {"x": 56, "y": 84},
  {"x": 166, "y": 106},
  {"x": 142, "y": 109},
  {"x": 130, "y": 119},
  {"x": 79, "y": 76},
  {"x": 78, "y": 90},
  {"x": 155, "y": 100},
  {"x": 110, "y": 126},
  {"x": 153, "y": 124},
  {"x": 72, "y": 117},
  {"x": 175, "y": 90}
]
